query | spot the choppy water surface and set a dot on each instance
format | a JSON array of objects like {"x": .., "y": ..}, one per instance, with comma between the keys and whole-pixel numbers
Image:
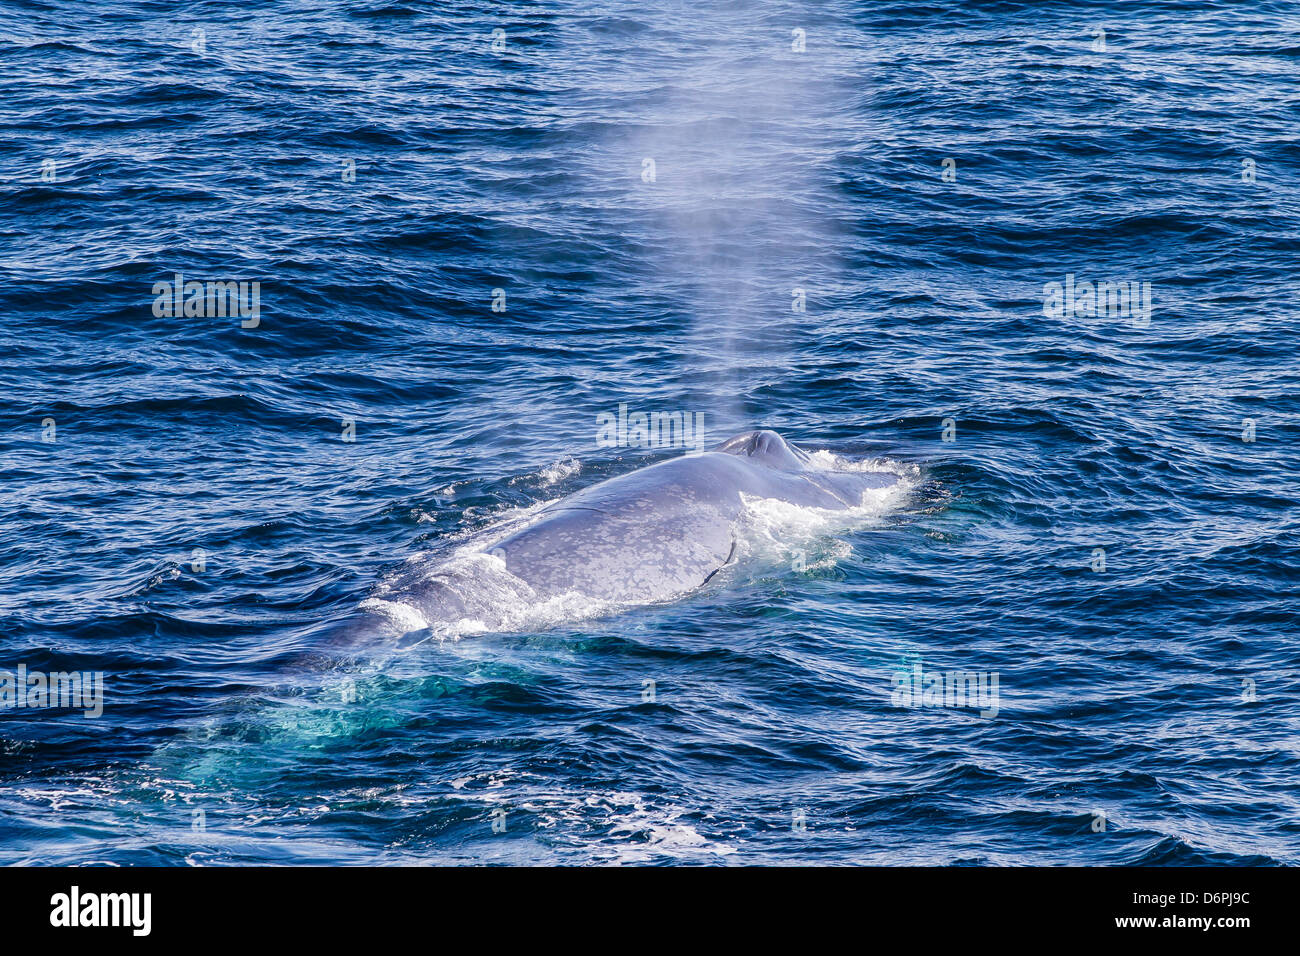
[{"x": 655, "y": 189}]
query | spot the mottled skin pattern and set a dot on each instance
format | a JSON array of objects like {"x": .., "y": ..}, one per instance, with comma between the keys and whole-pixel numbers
[{"x": 663, "y": 530}]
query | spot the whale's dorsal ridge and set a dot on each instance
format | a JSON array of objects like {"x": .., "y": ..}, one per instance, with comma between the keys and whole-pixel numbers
[{"x": 765, "y": 446}]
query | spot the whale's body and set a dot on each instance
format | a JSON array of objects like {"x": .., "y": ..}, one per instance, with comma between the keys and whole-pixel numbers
[
  {"x": 666, "y": 529},
  {"x": 650, "y": 535}
]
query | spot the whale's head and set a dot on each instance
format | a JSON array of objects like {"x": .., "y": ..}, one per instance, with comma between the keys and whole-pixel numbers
[{"x": 765, "y": 448}]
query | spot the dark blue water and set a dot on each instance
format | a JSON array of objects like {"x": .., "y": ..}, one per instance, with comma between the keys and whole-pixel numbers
[{"x": 1103, "y": 532}]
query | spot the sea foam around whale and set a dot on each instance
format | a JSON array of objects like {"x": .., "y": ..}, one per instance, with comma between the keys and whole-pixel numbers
[{"x": 771, "y": 535}]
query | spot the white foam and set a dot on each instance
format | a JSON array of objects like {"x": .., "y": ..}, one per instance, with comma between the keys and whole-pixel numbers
[
  {"x": 771, "y": 530},
  {"x": 403, "y": 617},
  {"x": 823, "y": 460},
  {"x": 555, "y": 472},
  {"x": 656, "y": 831},
  {"x": 564, "y": 468},
  {"x": 492, "y": 598}
]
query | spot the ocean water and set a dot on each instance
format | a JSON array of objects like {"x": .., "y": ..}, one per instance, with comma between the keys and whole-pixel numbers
[{"x": 841, "y": 221}]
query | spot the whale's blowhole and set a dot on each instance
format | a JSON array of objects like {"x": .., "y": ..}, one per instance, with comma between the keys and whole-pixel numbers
[{"x": 766, "y": 447}]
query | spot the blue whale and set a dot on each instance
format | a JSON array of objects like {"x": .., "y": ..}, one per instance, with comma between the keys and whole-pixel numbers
[{"x": 653, "y": 534}]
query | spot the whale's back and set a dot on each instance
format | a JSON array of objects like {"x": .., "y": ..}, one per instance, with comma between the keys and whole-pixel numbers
[
  {"x": 654, "y": 534},
  {"x": 649, "y": 535}
]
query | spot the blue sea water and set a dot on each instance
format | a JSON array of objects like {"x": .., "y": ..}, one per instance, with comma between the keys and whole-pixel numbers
[{"x": 1100, "y": 510}]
